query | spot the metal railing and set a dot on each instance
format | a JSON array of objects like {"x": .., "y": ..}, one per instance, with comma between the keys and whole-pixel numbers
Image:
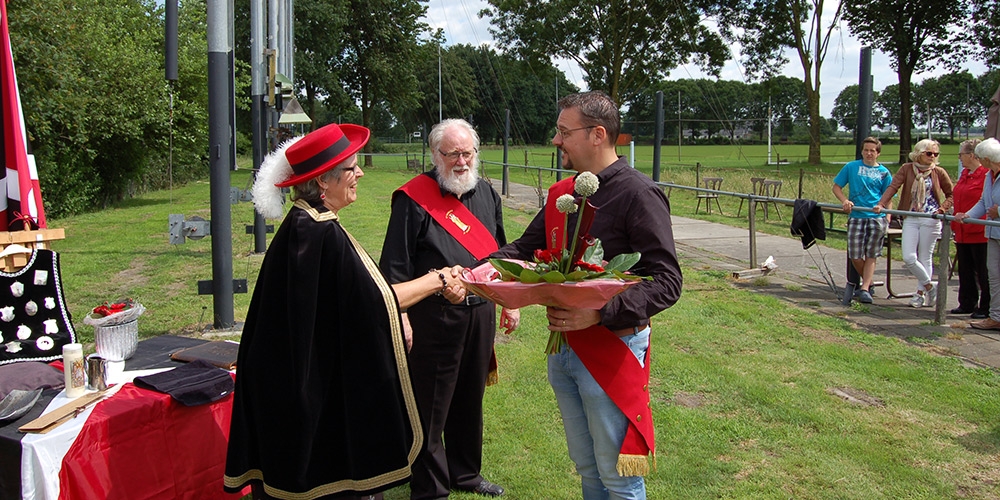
[{"x": 943, "y": 264}]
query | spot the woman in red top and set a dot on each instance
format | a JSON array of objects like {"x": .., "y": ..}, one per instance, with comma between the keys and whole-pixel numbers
[{"x": 970, "y": 240}]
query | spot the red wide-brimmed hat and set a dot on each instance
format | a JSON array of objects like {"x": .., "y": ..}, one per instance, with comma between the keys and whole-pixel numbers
[{"x": 322, "y": 149}]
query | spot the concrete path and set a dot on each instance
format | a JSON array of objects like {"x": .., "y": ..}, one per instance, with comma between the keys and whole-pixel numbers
[{"x": 799, "y": 280}]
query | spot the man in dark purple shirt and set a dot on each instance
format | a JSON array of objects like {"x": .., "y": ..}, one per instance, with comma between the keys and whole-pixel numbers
[{"x": 633, "y": 215}]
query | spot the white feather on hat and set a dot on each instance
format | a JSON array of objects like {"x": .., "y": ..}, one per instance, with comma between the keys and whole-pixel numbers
[{"x": 268, "y": 198}]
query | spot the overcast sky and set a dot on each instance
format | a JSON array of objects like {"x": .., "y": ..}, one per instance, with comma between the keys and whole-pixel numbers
[{"x": 461, "y": 24}]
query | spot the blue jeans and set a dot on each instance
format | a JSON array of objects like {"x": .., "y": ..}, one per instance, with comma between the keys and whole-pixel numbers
[{"x": 595, "y": 427}]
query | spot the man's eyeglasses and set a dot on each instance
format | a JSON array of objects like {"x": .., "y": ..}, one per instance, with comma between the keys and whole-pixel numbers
[
  {"x": 931, "y": 154},
  {"x": 565, "y": 132},
  {"x": 455, "y": 155}
]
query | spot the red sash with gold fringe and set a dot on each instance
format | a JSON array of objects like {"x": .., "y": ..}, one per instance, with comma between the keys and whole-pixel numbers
[
  {"x": 610, "y": 362},
  {"x": 626, "y": 382}
]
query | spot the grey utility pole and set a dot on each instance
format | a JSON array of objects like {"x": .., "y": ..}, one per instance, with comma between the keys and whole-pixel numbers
[
  {"x": 220, "y": 83},
  {"x": 258, "y": 108}
]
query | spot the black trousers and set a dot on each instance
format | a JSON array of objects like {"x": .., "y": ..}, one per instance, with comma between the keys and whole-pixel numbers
[
  {"x": 973, "y": 278},
  {"x": 449, "y": 362}
]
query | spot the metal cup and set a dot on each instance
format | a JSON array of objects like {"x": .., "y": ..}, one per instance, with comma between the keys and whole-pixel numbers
[{"x": 97, "y": 373}]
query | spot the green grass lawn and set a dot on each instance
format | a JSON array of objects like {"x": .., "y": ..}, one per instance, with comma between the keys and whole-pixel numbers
[{"x": 744, "y": 386}]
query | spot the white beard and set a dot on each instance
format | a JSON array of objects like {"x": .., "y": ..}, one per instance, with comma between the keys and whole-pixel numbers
[{"x": 453, "y": 184}]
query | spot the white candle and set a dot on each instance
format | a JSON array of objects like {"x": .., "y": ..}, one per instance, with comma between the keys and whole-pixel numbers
[{"x": 74, "y": 371}]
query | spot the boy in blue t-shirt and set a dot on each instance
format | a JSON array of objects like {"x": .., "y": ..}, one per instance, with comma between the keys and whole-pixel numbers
[{"x": 868, "y": 180}]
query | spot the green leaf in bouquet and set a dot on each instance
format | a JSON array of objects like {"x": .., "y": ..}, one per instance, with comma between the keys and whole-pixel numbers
[
  {"x": 529, "y": 276},
  {"x": 554, "y": 277},
  {"x": 578, "y": 275},
  {"x": 628, "y": 277},
  {"x": 623, "y": 261},
  {"x": 509, "y": 271},
  {"x": 594, "y": 253}
]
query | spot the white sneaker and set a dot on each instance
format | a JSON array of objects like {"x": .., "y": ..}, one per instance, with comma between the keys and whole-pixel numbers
[
  {"x": 917, "y": 300},
  {"x": 930, "y": 296}
]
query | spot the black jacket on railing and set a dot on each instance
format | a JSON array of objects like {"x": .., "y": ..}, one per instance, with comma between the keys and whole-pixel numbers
[{"x": 807, "y": 222}]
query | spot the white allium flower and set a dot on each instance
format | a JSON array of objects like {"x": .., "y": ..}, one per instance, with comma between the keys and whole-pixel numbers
[
  {"x": 586, "y": 184},
  {"x": 566, "y": 204}
]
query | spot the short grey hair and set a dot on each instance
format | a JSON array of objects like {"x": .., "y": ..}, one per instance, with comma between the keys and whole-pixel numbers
[
  {"x": 921, "y": 146},
  {"x": 968, "y": 146},
  {"x": 310, "y": 190},
  {"x": 989, "y": 150}
]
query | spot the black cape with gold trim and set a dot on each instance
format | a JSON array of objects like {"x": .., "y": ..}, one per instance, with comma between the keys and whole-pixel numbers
[{"x": 323, "y": 401}]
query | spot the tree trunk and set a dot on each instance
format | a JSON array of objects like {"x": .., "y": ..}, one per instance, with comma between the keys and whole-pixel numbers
[
  {"x": 815, "y": 122},
  {"x": 905, "y": 114}
]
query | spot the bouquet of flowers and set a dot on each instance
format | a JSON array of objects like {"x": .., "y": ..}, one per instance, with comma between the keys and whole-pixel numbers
[{"x": 573, "y": 277}]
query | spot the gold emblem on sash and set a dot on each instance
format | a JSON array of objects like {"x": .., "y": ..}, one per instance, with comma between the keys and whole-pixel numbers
[{"x": 458, "y": 222}]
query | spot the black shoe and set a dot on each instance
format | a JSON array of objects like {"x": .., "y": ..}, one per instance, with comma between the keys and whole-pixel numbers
[
  {"x": 487, "y": 488},
  {"x": 980, "y": 315},
  {"x": 959, "y": 310}
]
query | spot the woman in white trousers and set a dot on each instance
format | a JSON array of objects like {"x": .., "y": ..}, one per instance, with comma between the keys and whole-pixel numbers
[{"x": 923, "y": 187}]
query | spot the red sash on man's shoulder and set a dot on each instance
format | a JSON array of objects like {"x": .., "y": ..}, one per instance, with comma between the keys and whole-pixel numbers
[
  {"x": 554, "y": 219},
  {"x": 609, "y": 361},
  {"x": 461, "y": 224},
  {"x": 626, "y": 381},
  {"x": 452, "y": 215}
]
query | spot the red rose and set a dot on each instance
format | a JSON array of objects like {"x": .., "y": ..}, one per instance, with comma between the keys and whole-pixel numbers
[{"x": 544, "y": 255}]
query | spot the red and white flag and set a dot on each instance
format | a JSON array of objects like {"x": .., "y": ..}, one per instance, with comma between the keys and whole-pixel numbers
[{"x": 23, "y": 202}]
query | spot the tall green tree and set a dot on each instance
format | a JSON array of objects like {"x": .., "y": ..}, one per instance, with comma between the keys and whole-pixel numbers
[
  {"x": 319, "y": 25},
  {"x": 983, "y": 30},
  {"x": 845, "y": 108},
  {"x": 916, "y": 35},
  {"x": 622, "y": 47},
  {"x": 457, "y": 85},
  {"x": 97, "y": 106},
  {"x": 789, "y": 103},
  {"x": 948, "y": 99},
  {"x": 379, "y": 50},
  {"x": 719, "y": 105},
  {"x": 766, "y": 28},
  {"x": 527, "y": 89},
  {"x": 681, "y": 103},
  {"x": 887, "y": 110}
]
